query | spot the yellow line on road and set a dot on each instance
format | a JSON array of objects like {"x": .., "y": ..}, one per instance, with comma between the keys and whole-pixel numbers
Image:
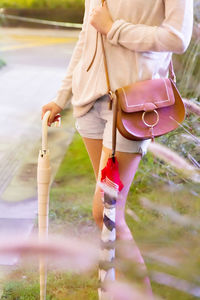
[
  {"x": 42, "y": 38},
  {"x": 35, "y": 43}
]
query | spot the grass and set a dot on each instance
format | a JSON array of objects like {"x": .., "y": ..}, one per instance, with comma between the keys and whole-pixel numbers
[
  {"x": 59, "y": 286},
  {"x": 73, "y": 188},
  {"x": 71, "y": 208},
  {"x": 41, "y": 3}
]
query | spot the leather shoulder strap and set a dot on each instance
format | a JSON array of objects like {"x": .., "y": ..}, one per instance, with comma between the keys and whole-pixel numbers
[
  {"x": 171, "y": 71},
  {"x": 105, "y": 65}
]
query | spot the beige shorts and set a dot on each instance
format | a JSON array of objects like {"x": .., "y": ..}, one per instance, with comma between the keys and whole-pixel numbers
[{"x": 97, "y": 124}]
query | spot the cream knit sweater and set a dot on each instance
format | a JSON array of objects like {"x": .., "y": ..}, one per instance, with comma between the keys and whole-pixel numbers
[{"x": 139, "y": 46}]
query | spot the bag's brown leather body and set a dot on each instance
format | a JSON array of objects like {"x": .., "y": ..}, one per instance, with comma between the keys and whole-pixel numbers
[{"x": 148, "y": 109}]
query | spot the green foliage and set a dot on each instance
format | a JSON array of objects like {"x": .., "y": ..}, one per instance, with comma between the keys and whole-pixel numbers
[
  {"x": 197, "y": 10},
  {"x": 189, "y": 65},
  {"x": 75, "y": 164},
  {"x": 68, "y": 201},
  {"x": 19, "y": 290},
  {"x": 2, "y": 63},
  {"x": 60, "y": 286},
  {"x": 41, "y": 3}
]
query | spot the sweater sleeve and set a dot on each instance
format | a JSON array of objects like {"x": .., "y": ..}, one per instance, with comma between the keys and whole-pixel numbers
[
  {"x": 173, "y": 35},
  {"x": 64, "y": 94}
]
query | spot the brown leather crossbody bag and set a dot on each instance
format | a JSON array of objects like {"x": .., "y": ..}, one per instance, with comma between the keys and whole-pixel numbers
[
  {"x": 145, "y": 109},
  {"x": 148, "y": 109}
]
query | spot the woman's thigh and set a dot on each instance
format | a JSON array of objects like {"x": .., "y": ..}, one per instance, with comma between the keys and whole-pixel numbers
[{"x": 94, "y": 149}]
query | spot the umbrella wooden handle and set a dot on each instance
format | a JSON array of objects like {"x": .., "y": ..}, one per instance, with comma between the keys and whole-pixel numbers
[{"x": 44, "y": 130}]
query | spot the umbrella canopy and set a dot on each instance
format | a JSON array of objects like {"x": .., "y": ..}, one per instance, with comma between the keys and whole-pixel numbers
[{"x": 110, "y": 186}]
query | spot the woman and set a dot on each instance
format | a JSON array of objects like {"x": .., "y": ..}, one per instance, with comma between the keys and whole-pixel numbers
[{"x": 139, "y": 37}]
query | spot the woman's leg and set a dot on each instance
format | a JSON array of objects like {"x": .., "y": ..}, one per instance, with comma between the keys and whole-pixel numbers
[{"x": 128, "y": 164}]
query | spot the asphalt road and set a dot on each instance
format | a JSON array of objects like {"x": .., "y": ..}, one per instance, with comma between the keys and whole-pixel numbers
[
  {"x": 37, "y": 47},
  {"x": 36, "y": 64}
]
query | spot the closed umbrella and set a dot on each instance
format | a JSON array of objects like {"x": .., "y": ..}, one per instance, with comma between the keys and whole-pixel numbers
[{"x": 43, "y": 181}]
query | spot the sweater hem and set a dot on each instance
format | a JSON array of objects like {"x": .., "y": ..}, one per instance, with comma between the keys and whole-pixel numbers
[{"x": 79, "y": 111}]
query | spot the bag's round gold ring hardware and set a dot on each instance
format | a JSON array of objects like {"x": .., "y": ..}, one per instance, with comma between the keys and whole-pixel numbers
[{"x": 150, "y": 125}]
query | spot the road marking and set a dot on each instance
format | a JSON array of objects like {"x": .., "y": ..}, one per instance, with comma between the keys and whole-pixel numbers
[
  {"x": 42, "y": 38},
  {"x": 35, "y": 41}
]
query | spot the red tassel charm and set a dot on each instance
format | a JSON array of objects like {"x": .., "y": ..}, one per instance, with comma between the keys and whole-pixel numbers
[{"x": 110, "y": 175}]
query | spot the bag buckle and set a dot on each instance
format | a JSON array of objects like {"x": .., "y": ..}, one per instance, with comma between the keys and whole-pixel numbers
[{"x": 150, "y": 125}]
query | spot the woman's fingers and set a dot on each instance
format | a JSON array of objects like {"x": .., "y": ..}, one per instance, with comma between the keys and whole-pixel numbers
[
  {"x": 101, "y": 19},
  {"x": 45, "y": 108},
  {"x": 54, "y": 109},
  {"x": 105, "y": 4},
  {"x": 51, "y": 118},
  {"x": 43, "y": 112}
]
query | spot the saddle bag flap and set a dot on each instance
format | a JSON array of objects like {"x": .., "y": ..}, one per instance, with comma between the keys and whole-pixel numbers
[{"x": 146, "y": 95}]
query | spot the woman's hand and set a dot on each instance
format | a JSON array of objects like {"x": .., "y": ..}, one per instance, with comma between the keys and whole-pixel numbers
[
  {"x": 54, "y": 108},
  {"x": 100, "y": 19}
]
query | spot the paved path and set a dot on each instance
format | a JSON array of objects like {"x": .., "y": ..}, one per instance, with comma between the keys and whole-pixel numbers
[{"x": 31, "y": 78}]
